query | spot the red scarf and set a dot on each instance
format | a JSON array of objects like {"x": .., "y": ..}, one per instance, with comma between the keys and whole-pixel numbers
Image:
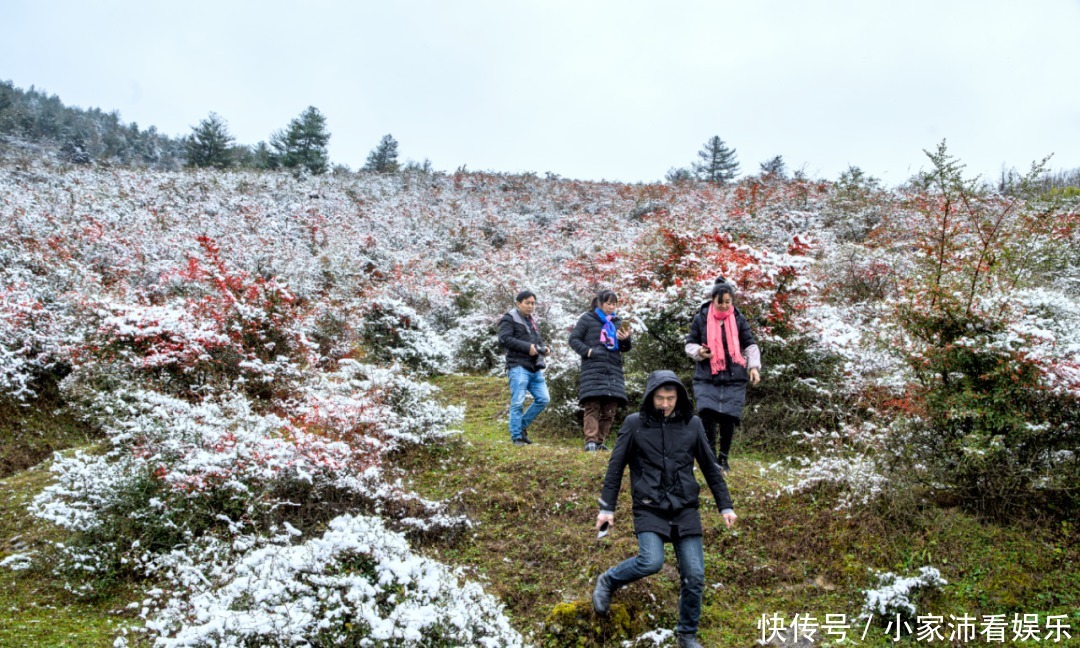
[{"x": 713, "y": 333}]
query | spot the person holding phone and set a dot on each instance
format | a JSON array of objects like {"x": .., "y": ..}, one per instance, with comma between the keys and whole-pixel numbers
[
  {"x": 600, "y": 337},
  {"x": 726, "y": 359},
  {"x": 660, "y": 445}
]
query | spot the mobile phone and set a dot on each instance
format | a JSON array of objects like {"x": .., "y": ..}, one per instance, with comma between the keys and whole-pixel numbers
[{"x": 603, "y": 530}]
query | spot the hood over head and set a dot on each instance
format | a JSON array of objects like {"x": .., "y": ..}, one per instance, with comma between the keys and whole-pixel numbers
[{"x": 683, "y": 407}]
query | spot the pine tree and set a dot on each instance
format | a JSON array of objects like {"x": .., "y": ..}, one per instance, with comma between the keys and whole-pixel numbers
[
  {"x": 303, "y": 142},
  {"x": 774, "y": 167},
  {"x": 383, "y": 158},
  {"x": 717, "y": 162},
  {"x": 209, "y": 144},
  {"x": 261, "y": 156}
]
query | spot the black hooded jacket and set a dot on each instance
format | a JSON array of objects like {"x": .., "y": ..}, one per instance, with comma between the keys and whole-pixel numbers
[{"x": 661, "y": 453}]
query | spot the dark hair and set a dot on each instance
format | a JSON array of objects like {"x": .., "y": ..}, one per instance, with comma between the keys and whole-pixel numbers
[
  {"x": 604, "y": 297},
  {"x": 720, "y": 287},
  {"x": 523, "y": 295}
]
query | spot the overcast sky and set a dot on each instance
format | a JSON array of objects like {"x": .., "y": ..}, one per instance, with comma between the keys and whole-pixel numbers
[{"x": 617, "y": 90}]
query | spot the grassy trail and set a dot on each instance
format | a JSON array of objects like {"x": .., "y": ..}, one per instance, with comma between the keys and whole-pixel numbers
[
  {"x": 35, "y": 609},
  {"x": 535, "y": 547}
]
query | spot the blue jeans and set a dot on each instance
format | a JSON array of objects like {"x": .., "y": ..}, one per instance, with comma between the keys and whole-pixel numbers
[
  {"x": 521, "y": 381},
  {"x": 650, "y": 559}
]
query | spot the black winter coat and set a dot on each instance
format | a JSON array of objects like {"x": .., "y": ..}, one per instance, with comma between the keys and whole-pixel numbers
[
  {"x": 724, "y": 392},
  {"x": 661, "y": 453},
  {"x": 602, "y": 373},
  {"x": 732, "y": 373},
  {"x": 517, "y": 334}
]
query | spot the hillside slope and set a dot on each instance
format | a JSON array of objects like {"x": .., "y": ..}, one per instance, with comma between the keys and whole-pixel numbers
[
  {"x": 237, "y": 367},
  {"x": 535, "y": 544}
]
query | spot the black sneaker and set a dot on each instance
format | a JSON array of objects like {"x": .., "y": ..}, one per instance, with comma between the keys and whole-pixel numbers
[
  {"x": 590, "y": 447},
  {"x": 687, "y": 640},
  {"x": 525, "y": 437},
  {"x": 601, "y": 596},
  {"x": 603, "y": 448},
  {"x": 520, "y": 442}
]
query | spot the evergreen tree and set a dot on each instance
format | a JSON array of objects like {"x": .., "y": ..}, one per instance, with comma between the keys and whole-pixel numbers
[
  {"x": 383, "y": 158},
  {"x": 774, "y": 167},
  {"x": 679, "y": 175},
  {"x": 718, "y": 163},
  {"x": 82, "y": 136},
  {"x": 303, "y": 143},
  {"x": 418, "y": 167},
  {"x": 73, "y": 150},
  {"x": 259, "y": 156},
  {"x": 209, "y": 144}
]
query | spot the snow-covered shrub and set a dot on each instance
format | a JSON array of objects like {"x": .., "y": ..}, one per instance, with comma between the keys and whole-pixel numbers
[
  {"x": 861, "y": 340},
  {"x": 1001, "y": 403},
  {"x": 17, "y": 562},
  {"x": 175, "y": 471},
  {"x": 995, "y": 378},
  {"x": 859, "y": 274},
  {"x": 407, "y": 412},
  {"x": 358, "y": 584},
  {"x": 894, "y": 595},
  {"x": 856, "y": 205},
  {"x": 851, "y": 463},
  {"x": 332, "y": 332},
  {"x": 392, "y": 332},
  {"x": 231, "y": 328},
  {"x": 33, "y": 342},
  {"x": 475, "y": 341},
  {"x": 16, "y": 373}
]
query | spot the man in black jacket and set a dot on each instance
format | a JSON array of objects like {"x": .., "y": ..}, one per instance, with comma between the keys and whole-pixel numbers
[
  {"x": 660, "y": 444},
  {"x": 525, "y": 351}
]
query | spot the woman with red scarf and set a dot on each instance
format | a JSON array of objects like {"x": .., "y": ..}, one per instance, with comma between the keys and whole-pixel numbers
[{"x": 727, "y": 358}]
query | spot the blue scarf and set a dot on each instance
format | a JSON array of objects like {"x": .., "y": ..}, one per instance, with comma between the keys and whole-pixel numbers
[{"x": 607, "y": 334}]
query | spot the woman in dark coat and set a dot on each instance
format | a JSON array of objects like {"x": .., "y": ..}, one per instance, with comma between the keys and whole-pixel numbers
[
  {"x": 727, "y": 358},
  {"x": 600, "y": 338}
]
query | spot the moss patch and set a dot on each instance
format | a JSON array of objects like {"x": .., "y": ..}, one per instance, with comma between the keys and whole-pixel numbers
[{"x": 31, "y": 432}]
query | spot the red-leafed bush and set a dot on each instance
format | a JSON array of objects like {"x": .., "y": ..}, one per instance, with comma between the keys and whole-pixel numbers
[
  {"x": 1001, "y": 394},
  {"x": 227, "y": 328}
]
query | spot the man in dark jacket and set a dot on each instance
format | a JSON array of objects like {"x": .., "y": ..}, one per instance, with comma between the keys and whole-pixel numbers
[
  {"x": 525, "y": 351},
  {"x": 660, "y": 444}
]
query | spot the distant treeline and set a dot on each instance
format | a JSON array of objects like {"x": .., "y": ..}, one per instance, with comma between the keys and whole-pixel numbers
[
  {"x": 83, "y": 136},
  {"x": 36, "y": 123}
]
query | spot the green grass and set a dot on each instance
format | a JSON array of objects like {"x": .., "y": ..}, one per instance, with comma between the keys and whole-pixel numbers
[
  {"x": 31, "y": 433},
  {"x": 35, "y": 610},
  {"x": 535, "y": 547}
]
